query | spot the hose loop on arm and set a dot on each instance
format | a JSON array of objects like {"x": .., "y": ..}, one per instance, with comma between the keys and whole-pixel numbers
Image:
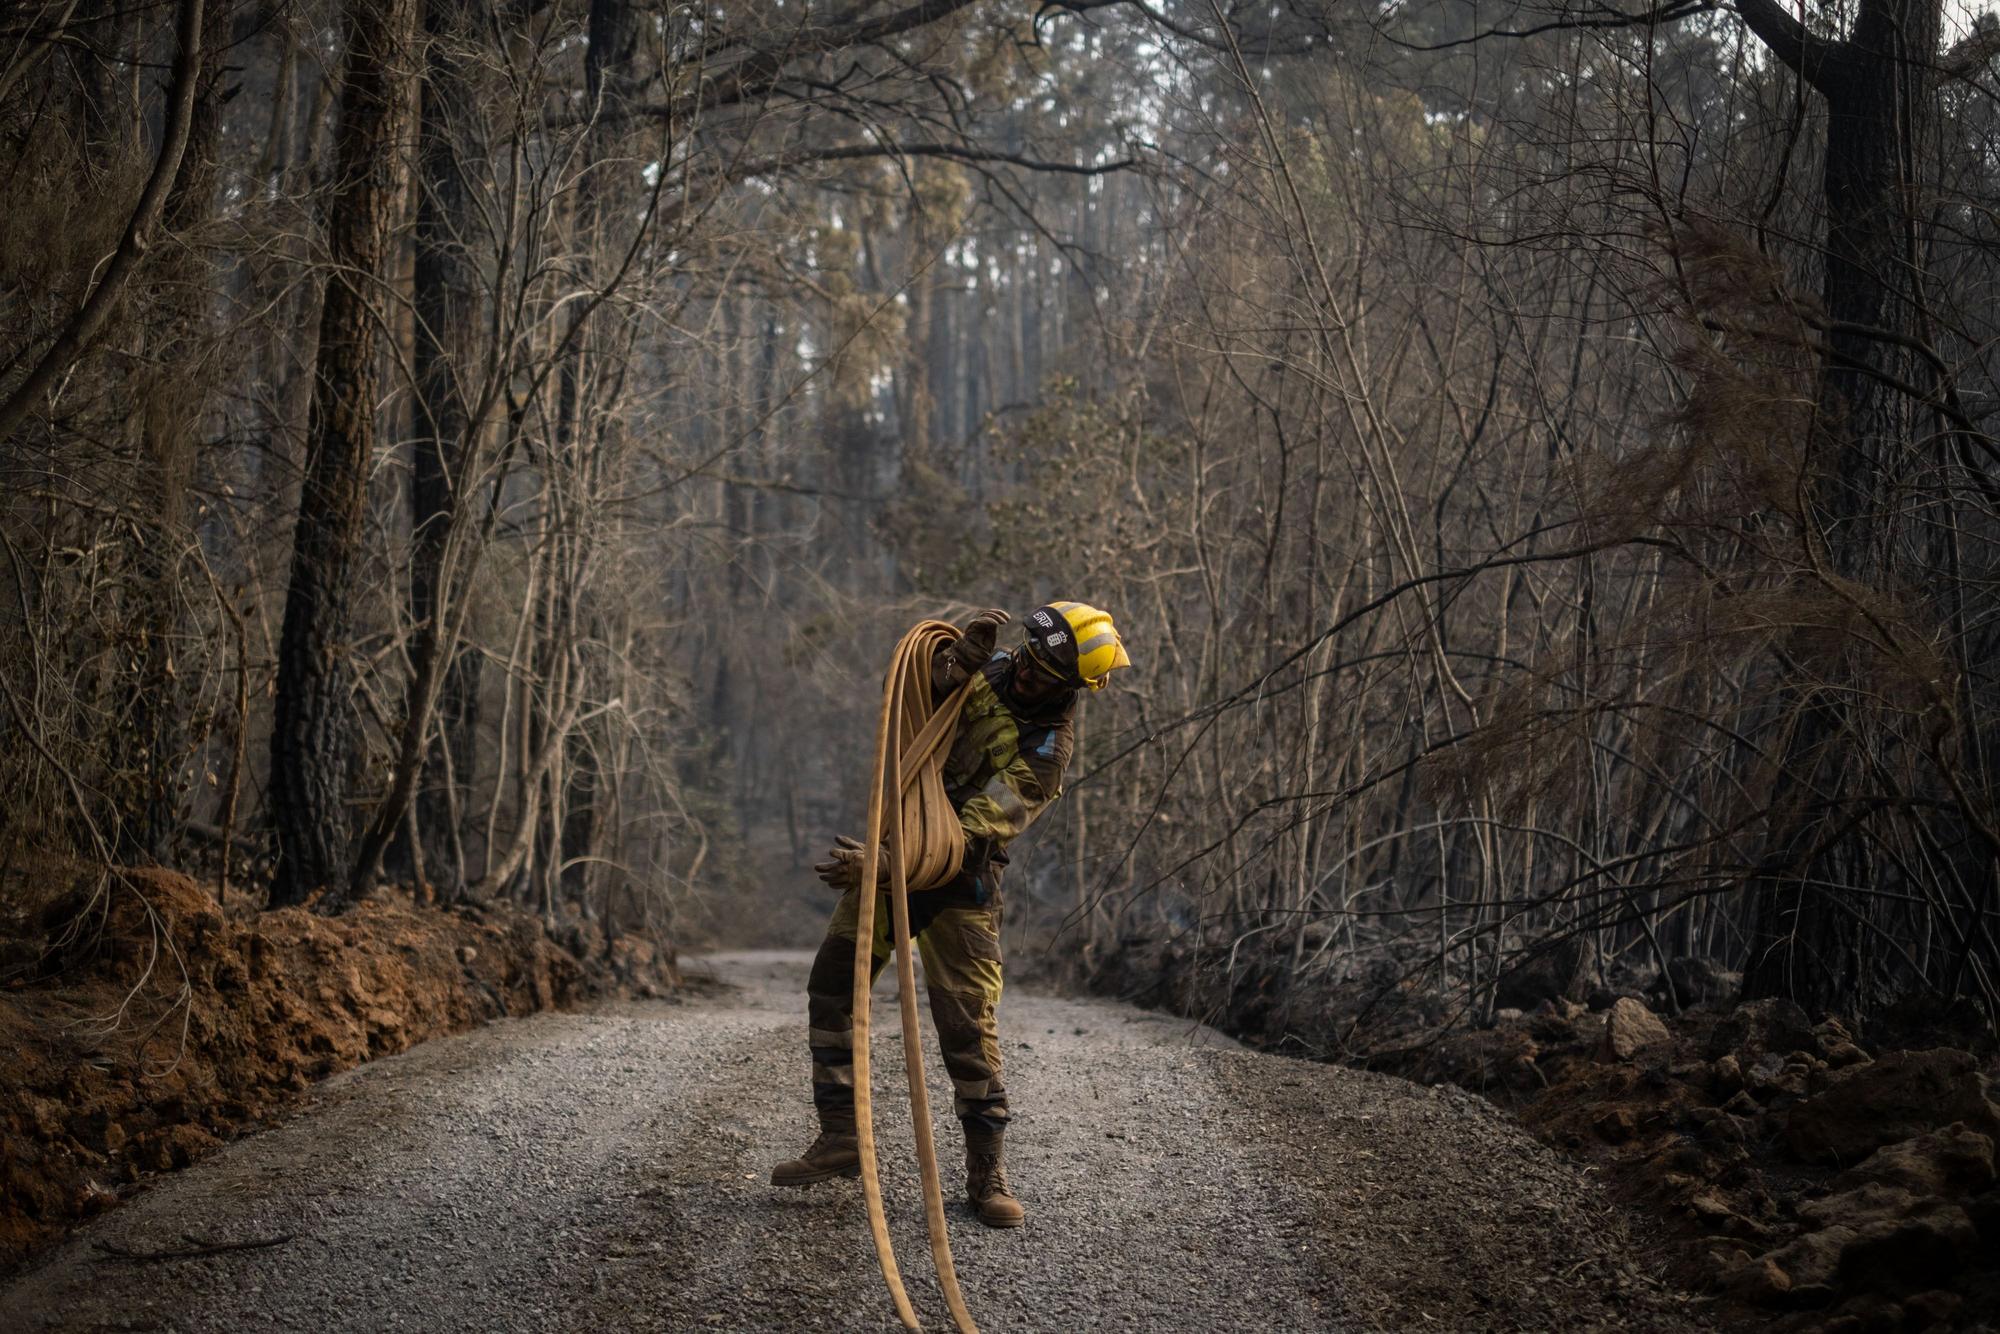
[{"x": 913, "y": 824}]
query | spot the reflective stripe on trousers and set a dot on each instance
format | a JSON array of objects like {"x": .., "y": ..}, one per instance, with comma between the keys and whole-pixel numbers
[{"x": 960, "y": 947}]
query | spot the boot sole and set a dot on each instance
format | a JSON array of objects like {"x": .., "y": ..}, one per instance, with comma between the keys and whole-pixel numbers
[
  {"x": 832, "y": 1173},
  {"x": 981, "y": 1215}
]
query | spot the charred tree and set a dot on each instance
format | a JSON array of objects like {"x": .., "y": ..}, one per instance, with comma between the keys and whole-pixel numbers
[
  {"x": 609, "y": 65},
  {"x": 446, "y": 299},
  {"x": 168, "y": 441},
  {"x": 311, "y": 731},
  {"x": 1815, "y": 910}
]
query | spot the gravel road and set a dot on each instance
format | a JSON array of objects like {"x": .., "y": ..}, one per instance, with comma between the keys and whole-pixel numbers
[{"x": 606, "y": 1170}]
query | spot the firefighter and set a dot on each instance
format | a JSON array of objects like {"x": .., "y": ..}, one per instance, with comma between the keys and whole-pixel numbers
[{"x": 1013, "y": 742}]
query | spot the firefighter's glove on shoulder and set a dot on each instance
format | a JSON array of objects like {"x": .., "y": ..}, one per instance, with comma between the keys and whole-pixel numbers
[
  {"x": 969, "y": 652},
  {"x": 842, "y": 868}
]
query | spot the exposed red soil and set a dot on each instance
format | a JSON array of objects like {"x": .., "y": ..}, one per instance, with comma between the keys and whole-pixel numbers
[{"x": 163, "y": 1025}]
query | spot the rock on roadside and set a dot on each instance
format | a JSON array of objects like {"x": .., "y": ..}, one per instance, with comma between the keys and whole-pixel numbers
[{"x": 1630, "y": 1028}]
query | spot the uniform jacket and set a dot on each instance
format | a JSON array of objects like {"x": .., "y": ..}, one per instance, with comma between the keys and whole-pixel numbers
[{"x": 1005, "y": 767}]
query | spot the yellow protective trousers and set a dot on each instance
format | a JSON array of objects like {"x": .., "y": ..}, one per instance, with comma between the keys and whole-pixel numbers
[{"x": 960, "y": 947}]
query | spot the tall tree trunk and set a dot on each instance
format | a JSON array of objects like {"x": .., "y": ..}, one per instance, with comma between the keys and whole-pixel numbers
[
  {"x": 446, "y": 299},
  {"x": 168, "y": 444},
  {"x": 1814, "y": 906},
  {"x": 311, "y": 726},
  {"x": 602, "y": 233}
]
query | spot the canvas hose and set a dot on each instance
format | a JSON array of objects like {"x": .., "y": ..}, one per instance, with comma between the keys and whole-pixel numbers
[{"x": 914, "y": 826}]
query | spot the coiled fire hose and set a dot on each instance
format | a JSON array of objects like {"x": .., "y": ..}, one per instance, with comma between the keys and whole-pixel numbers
[{"x": 911, "y": 821}]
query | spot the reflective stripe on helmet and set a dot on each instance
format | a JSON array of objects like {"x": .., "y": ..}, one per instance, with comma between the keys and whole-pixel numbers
[{"x": 1076, "y": 642}]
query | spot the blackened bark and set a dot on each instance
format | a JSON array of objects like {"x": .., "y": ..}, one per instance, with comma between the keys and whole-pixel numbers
[
  {"x": 568, "y": 845},
  {"x": 311, "y": 729},
  {"x": 447, "y": 304},
  {"x": 580, "y": 818},
  {"x": 159, "y": 713},
  {"x": 614, "y": 41},
  {"x": 1814, "y": 937}
]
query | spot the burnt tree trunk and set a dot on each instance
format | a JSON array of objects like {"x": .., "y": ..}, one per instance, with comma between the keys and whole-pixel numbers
[
  {"x": 1813, "y": 937},
  {"x": 311, "y": 727},
  {"x": 609, "y": 62},
  {"x": 446, "y": 299},
  {"x": 168, "y": 442}
]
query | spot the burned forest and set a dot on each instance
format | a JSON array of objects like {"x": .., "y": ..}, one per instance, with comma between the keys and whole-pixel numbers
[{"x": 466, "y": 468}]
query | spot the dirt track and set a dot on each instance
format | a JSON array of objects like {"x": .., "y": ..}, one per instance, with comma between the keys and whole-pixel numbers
[{"x": 605, "y": 1170}]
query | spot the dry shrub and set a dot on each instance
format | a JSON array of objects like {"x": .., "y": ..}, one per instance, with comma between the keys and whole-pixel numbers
[
  {"x": 1735, "y": 454},
  {"x": 1744, "y": 600},
  {"x": 1531, "y": 748},
  {"x": 67, "y": 204}
]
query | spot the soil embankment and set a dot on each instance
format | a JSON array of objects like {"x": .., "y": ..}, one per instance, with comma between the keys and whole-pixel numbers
[
  {"x": 605, "y": 1169},
  {"x": 167, "y": 1025}
]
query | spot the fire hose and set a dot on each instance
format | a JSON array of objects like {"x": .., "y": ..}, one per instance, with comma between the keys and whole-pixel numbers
[{"x": 912, "y": 823}]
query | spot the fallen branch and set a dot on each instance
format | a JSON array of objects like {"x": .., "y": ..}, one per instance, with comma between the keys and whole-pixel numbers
[{"x": 194, "y": 1250}]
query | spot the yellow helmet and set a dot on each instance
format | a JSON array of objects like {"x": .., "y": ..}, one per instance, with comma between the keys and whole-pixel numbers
[{"x": 1077, "y": 643}]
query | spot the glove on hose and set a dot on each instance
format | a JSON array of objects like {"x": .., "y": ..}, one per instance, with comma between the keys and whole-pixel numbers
[
  {"x": 969, "y": 652},
  {"x": 842, "y": 868}
]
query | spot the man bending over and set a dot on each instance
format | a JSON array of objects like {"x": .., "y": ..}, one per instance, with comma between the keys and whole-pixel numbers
[{"x": 1004, "y": 769}]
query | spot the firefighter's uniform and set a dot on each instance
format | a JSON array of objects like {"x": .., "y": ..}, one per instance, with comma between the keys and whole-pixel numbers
[
  {"x": 1005, "y": 767},
  {"x": 1014, "y": 739}
]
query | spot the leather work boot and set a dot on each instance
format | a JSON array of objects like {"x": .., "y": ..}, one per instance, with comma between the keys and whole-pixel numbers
[
  {"x": 834, "y": 1154},
  {"x": 986, "y": 1181}
]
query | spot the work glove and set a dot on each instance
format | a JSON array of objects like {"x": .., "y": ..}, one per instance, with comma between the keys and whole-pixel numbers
[
  {"x": 980, "y": 632},
  {"x": 842, "y": 868},
  {"x": 969, "y": 652}
]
